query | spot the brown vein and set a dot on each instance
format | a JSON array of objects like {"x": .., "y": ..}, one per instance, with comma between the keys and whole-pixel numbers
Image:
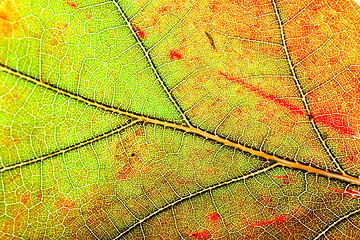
[{"x": 192, "y": 130}]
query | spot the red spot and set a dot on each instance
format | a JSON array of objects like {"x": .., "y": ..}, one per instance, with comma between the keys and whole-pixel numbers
[
  {"x": 214, "y": 216},
  {"x": 288, "y": 177},
  {"x": 174, "y": 55},
  {"x": 199, "y": 235},
  {"x": 65, "y": 204},
  {"x": 163, "y": 10},
  {"x": 71, "y": 4},
  {"x": 349, "y": 192},
  {"x": 280, "y": 219},
  {"x": 140, "y": 32},
  {"x": 293, "y": 108},
  {"x": 25, "y": 198},
  {"x": 239, "y": 111}
]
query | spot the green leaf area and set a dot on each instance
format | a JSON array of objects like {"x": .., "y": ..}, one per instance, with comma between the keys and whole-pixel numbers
[{"x": 186, "y": 119}]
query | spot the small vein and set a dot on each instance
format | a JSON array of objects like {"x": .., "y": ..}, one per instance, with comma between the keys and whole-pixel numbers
[
  {"x": 204, "y": 190},
  {"x": 152, "y": 65},
  {"x": 303, "y": 95},
  {"x": 329, "y": 80},
  {"x": 337, "y": 222},
  {"x": 62, "y": 151}
]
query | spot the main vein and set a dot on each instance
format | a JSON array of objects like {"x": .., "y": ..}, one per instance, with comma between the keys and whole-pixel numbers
[
  {"x": 151, "y": 63},
  {"x": 192, "y": 130},
  {"x": 302, "y": 94}
]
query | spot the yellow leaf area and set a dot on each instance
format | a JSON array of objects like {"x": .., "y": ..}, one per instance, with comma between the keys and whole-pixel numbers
[{"x": 179, "y": 119}]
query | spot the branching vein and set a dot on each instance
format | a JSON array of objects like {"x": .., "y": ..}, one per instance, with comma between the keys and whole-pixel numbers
[
  {"x": 152, "y": 65},
  {"x": 302, "y": 94}
]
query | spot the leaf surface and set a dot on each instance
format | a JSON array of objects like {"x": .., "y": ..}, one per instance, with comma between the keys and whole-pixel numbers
[{"x": 179, "y": 119}]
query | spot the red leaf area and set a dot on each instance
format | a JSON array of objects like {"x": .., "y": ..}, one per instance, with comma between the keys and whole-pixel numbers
[
  {"x": 204, "y": 234},
  {"x": 214, "y": 216},
  {"x": 71, "y": 4},
  {"x": 140, "y": 32},
  {"x": 326, "y": 116},
  {"x": 293, "y": 108},
  {"x": 199, "y": 235},
  {"x": 174, "y": 55},
  {"x": 280, "y": 219}
]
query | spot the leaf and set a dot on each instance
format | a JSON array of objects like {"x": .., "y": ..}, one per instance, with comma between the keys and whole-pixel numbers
[{"x": 179, "y": 119}]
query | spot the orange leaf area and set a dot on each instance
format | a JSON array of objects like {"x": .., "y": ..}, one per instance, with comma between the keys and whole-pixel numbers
[
  {"x": 335, "y": 104},
  {"x": 313, "y": 24},
  {"x": 324, "y": 113},
  {"x": 9, "y": 17},
  {"x": 253, "y": 22},
  {"x": 65, "y": 204}
]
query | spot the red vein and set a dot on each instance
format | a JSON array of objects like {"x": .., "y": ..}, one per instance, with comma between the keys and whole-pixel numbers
[
  {"x": 292, "y": 107},
  {"x": 288, "y": 177},
  {"x": 349, "y": 192},
  {"x": 280, "y": 219}
]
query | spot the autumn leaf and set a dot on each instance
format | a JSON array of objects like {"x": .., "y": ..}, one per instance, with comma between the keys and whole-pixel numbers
[{"x": 214, "y": 119}]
